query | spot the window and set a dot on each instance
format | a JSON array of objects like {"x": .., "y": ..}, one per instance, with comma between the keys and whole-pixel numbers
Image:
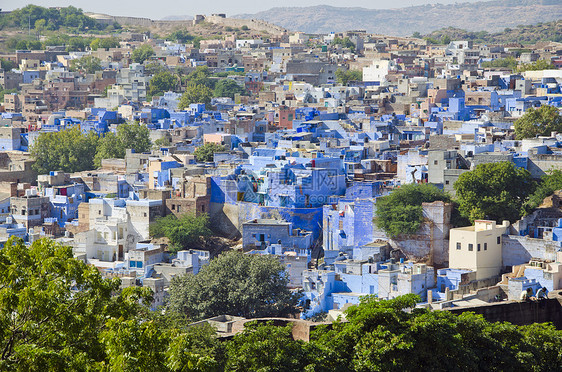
[
  {"x": 435, "y": 162},
  {"x": 458, "y": 246},
  {"x": 470, "y": 247},
  {"x": 446, "y": 182},
  {"x": 145, "y": 214},
  {"x": 498, "y": 240},
  {"x": 485, "y": 246},
  {"x": 478, "y": 247}
]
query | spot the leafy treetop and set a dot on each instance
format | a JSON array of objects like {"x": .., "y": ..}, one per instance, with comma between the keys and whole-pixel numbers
[
  {"x": 401, "y": 211},
  {"x": 495, "y": 191},
  {"x": 538, "y": 122},
  {"x": 235, "y": 284},
  {"x": 206, "y": 152}
]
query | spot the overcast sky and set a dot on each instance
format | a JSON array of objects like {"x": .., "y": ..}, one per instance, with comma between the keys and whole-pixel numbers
[{"x": 157, "y": 9}]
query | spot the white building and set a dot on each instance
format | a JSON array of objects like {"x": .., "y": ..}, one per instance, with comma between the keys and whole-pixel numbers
[
  {"x": 378, "y": 70},
  {"x": 477, "y": 248}
]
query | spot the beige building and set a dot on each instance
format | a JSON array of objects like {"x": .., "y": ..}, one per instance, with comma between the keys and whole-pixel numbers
[{"x": 477, "y": 248}]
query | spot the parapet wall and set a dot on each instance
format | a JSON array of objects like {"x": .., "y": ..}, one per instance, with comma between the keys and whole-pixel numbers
[
  {"x": 252, "y": 24},
  {"x": 520, "y": 313},
  {"x": 517, "y": 250}
]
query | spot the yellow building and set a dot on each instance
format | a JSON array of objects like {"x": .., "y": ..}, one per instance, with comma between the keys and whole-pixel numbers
[{"x": 477, "y": 248}]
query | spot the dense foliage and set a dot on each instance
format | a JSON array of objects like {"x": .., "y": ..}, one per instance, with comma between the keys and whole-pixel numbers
[
  {"x": 186, "y": 232},
  {"x": 549, "y": 183},
  {"x": 538, "y": 65},
  {"x": 509, "y": 62},
  {"x": 87, "y": 64},
  {"x": 163, "y": 81},
  {"x": 380, "y": 336},
  {"x": 53, "y": 307},
  {"x": 524, "y": 34},
  {"x": 235, "y": 284},
  {"x": 199, "y": 76},
  {"x": 184, "y": 37},
  {"x": 345, "y": 76},
  {"x": 195, "y": 93},
  {"x": 206, "y": 152},
  {"x": 70, "y": 150},
  {"x": 538, "y": 122},
  {"x": 71, "y": 43},
  {"x": 128, "y": 136},
  {"x": 345, "y": 43},
  {"x": 53, "y": 19},
  {"x": 57, "y": 313},
  {"x": 142, "y": 53},
  {"x": 495, "y": 191},
  {"x": 104, "y": 43},
  {"x": 228, "y": 88},
  {"x": 7, "y": 65},
  {"x": 401, "y": 211}
]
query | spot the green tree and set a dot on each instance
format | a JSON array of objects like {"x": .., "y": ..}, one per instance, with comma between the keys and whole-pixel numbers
[
  {"x": 380, "y": 336},
  {"x": 134, "y": 345},
  {"x": 154, "y": 67},
  {"x": 205, "y": 153},
  {"x": 187, "y": 231},
  {"x": 538, "y": 122},
  {"x": 228, "y": 88},
  {"x": 495, "y": 191},
  {"x": 550, "y": 182},
  {"x": 6, "y": 64},
  {"x": 235, "y": 284},
  {"x": 68, "y": 150},
  {"x": 345, "y": 43},
  {"x": 129, "y": 136},
  {"x": 265, "y": 347},
  {"x": 196, "y": 348},
  {"x": 163, "y": 82},
  {"x": 40, "y": 25},
  {"x": 104, "y": 43},
  {"x": 538, "y": 65},
  {"x": 345, "y": 76},
  {"x": 195, "y": 94},
  {"x": 417, "y": 35},
  {"x": 509, "y": 62},
  {"x": 162, "y": 142},
  {"x": 88, "y": 64},
  {"x": 200, "y": 76},
  {"x": 142, "y": 53},
  {"x": 401, "y": 211},
  {"x": 183, "y": 37},
  {"x": 53, "y": 306}
]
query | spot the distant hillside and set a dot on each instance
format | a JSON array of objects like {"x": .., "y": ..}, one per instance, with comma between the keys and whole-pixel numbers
[
  {"x": 490, "y": 16},
  {"x": 551, "y": 31}
]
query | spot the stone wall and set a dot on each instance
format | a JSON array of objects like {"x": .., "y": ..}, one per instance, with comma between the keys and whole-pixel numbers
[
  {"x": 520, "y": 313},
  {"x": 517, "y": 250},
  {"x": 229, "y": 217},
  {"x": 252, "y": 24},
  {"x": 431, "y": 243}
]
